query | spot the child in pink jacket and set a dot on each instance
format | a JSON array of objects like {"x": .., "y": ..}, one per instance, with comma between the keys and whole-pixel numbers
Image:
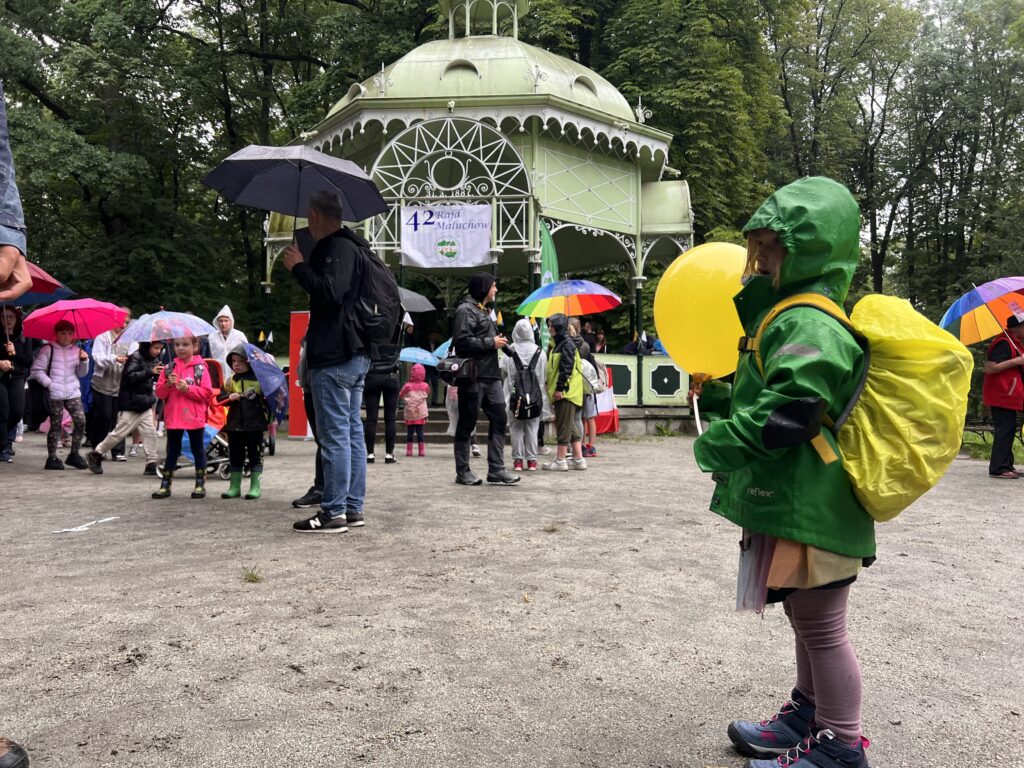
[
  {"x": 415, "y": 394},
  {"x": 186, "y": 387}
]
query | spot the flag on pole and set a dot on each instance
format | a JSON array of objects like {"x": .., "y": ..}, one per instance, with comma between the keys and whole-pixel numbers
[
  {"x": 607, "y": 411},
  {"x": 548, "y": 271}
]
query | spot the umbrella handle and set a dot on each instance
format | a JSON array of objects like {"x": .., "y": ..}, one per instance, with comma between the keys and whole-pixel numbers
[{"x": 696, "y": 415}]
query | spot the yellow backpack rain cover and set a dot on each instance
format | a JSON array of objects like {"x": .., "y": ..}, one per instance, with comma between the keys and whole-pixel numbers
[{"x": 899, "y": 436}]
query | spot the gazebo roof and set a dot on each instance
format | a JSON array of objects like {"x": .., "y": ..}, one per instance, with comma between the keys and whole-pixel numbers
[{"x": 493, "y": 66}]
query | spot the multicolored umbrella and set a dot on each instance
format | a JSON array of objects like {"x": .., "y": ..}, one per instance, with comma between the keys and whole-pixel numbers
[
  {"x": 272, "y": 379},
  {"x": 569, "y": 297},
  {"x": 163, "y": 326},
  {"x": 982, "y": 312},
  {"x": 89, "y": 317},
  {"x": 45, "y": 288}
]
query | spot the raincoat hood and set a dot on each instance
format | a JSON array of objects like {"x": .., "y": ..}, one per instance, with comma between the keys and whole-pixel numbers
[
  {"x": 560, "y": 325},
  {"x": 523, "y": 332},
  {"x": 818, "y": 222},
  {"x": 224, "y": 312},
  {"x": 240, "y": 351},
  {"x": 418, "y": 373}
]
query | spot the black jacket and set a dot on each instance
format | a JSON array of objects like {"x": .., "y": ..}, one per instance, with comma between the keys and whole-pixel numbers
[
  {"x": 329, "y": 277},
  {"x": 137, "y": 379},
  {"x": 24, "y": 353},
  {"x": 473, "y": 334},
  {"x": 249, "y": 413}
]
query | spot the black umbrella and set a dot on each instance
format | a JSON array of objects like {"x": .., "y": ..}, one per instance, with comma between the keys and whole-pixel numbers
[
  {"x": 281, "y": 179},
  {"x": 415, "y": 302}
]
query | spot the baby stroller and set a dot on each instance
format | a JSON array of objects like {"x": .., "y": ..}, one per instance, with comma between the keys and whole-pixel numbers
[{"x": 215, "y": 444}]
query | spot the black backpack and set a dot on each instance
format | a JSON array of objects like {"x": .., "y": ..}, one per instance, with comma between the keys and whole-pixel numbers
[
  {"x": 526, "y": 399},
  {"x": 377, "y": 306}
]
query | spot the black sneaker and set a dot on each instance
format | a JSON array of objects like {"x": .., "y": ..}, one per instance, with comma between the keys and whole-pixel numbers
[
  {"x": 150, "y": 469},
  {"x": 776, "y": 735},
  {"x": 390, "y": 459},
  {"x": 369, "y": 458},
  {"x": 75, "y": 460},
  {"x": 355, "y": 519},
  {"x": 312, "y": 498},
  {"x": 7, "y": 456},
  {"x": 53, "y": 462},
  {"x": 95, "y": 461},
  {"x": 502, "y": 478},
  {"x": 823, "y": 750},
  {"x": 321, "y": 523},
  {"x": 12, "y": 755}
]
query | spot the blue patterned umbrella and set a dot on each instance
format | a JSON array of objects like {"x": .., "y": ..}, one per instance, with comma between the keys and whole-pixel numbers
[
  {"x": 417, "y": 355},
  {"x": 272, "y": 379},
  {"x": 163, "y": 326}
]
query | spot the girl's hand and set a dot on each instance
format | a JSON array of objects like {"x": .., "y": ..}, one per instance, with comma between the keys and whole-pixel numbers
[
  {"x": 83, "y": 355},
  {"x": 234, "y": 396},
  {"x": 181, "y": 386},
  {"x": 172, "y": 378}
]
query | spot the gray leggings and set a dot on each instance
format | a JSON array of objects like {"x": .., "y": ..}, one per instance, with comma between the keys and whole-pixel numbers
[{"x": 74, "y": 407}]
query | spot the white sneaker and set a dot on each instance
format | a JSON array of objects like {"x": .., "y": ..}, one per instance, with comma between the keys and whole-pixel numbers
[
  {"x": 577, "y": 463},
  {"x": 120, "y": 457},
  {"x": 133, "y": 451},
  {"x": 556, "y": 466},
  {"x": 475, "y": 450}
]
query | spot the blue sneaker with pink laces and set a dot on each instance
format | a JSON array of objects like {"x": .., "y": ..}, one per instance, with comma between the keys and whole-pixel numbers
[
  {"x": 777, "y": 735},
  {"x": 822, "y": 750}
]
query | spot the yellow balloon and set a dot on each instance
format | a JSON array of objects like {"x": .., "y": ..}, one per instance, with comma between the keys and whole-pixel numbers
[{"x": 693, "y": 310}]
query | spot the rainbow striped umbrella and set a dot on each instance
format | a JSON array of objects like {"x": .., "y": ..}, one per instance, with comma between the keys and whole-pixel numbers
[
  {"x": 570, "y": 297},
  {"x": 982, "y": 312}
]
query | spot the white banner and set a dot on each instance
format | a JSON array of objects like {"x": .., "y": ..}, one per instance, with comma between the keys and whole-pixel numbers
[{"x": 438, "y": 236}]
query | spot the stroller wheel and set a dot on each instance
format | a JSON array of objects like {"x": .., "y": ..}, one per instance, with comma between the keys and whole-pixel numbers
[
  {"x": 224, "y": 471},
  {"x": 272, "y": 444},
  {"x": 160, "y": 470}
]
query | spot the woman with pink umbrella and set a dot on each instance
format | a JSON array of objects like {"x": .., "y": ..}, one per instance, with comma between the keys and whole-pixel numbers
[{"x": 59, "y": 364}]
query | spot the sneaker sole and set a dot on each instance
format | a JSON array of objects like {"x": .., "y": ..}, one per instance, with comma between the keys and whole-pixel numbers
[
  {"x": 747, "y": 749},
  {"x": 514, "y": 481},
  {"x": 322, "y": 530},
  {"x": 357, "y": 524}
]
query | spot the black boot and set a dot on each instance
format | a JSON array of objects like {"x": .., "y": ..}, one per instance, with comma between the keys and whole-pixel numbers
[
  {"x": 463, "y": 474},
  {"x": 12, "y": 755},
  {"x": 199, "y": 492},
  {"x": 165, "y": 485}
]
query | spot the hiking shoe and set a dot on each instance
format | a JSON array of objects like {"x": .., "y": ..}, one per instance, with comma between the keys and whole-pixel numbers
[
  {"x": 322, "y": 523},
  {"x": 52, "y": 462},
  {"x": 390, "y": 459},
  {"x": 150, "y": 469},
  {"x": 556, "y": 466},
  {"x": 95, "y": 461},
  {"x": 579, "y": 464},
  {"x": 1008, "y": 475},
  {"x": 822, "y": 750},
  {"x": 517, "y": 465},
  {"x": 355, "y": 519},
  {"x": 502, "y": 478},
  {"x": 468, "y": 479},
  {"x": 531, "y": 466},
  {"x": 12, "y": 755},
  {"x": 776, "y": 735},
  {"x": 475, "y": 451},
  {"x": 75, "y": 460},
  {"x": 312, "y": 498}
]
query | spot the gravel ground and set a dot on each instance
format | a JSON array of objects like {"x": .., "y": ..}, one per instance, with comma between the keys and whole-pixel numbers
[{"x": 578, "y": 619}]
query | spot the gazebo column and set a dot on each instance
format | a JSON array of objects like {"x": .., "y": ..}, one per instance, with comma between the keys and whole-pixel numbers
[
  {"x": 533, "y": 272},
  {"x": 638, "y": 308}
]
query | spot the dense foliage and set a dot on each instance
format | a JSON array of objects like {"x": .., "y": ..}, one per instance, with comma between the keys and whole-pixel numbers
[{"x": 118, "y": 107}]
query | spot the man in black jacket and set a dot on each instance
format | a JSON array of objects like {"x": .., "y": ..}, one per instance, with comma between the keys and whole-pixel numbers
[
  {"x": 337, "y": 362},
  {"x": 135, "y": 401},
  {"x": 475, "y": 336}
]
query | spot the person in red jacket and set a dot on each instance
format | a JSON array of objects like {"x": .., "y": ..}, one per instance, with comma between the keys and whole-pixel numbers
[{"x": 1003, "y": 393}]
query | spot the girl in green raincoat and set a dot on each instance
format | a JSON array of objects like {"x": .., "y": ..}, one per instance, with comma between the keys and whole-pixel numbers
[{"x": 805, "y": 534}]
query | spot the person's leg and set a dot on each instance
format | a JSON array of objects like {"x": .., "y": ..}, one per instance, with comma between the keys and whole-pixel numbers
[
  {"x": 577, "y": 432},
  {"x": 421, "y": 440},
  {"x": 518, "y": 428},
  {"x": 5, "y": 410},
  {"x": 492, "y": 400},
  {"x": 391, "y": 390},
  {"x": 371, "y": 403},
  {"x": 15, "y": 404},
  {"x": 195, "y": 443},
  {"x": 410, "y": 433},
  {"x": 253, "y": 446},
  {"x": 126, "y": 423},
  {"x": 333, "y": 396},
  {"x": 309, "y": 403},
  {"x": 530, "y": 439},
  {"x": 112, "y": 416},
  {"x": 469, "y": 411},
  {"x": 146, "y": 427},
  {"x": 355, "y": 497},
  {"x": 77, "y": 412},
  {"x": 819, "y": 619},
  {"x": 236, "y": 462},
  {"x": 53, "y": 434},
  {"x": 563, "y": 428},
  {"x": 1004, "y": 424},
  {"x": 174, "y": 437}
]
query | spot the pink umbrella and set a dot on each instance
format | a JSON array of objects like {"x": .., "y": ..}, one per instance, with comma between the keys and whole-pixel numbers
[{"x": 89, "y": 317}]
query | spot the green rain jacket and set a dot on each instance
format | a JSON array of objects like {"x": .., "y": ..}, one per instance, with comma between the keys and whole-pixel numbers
[{"x": 769, "y": 477}]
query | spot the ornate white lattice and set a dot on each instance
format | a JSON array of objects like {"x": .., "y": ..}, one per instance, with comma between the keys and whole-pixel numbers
[
  {"x": 628, "y": 242},
  {"x": 590, "y": 189}
]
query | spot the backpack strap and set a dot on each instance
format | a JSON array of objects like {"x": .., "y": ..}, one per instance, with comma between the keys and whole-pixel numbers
[
  {"x": 518, "y": 363},
  {"x": 833, "y": 310},
  {"x": 533, "y": 360}
]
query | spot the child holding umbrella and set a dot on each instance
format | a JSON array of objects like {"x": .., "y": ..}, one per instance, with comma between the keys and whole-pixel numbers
[{"x": 248, "y": 418}]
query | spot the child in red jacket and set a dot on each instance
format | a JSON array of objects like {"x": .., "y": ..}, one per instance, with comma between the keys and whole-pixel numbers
[
  {"x": 186, "y": 388},
  {"x": 415, "y": 394}
]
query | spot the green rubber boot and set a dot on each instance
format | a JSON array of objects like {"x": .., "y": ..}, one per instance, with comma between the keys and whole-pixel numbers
[
  {"x": 235, "y": 489},
  {"x": 199, "y": 492},
  {"x": 165, "y": 486},
  {"x": 254, "y": 483}
]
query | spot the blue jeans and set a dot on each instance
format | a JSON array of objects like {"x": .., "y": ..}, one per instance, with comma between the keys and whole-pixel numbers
[
  {"x": 12, "y": 220},
  {"x": 338, "y": 394}
]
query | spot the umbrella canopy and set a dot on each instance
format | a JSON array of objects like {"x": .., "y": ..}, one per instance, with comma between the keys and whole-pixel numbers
[
  {"x": 414, "y": 302},
  {"x": 569, "y": 297},
  {"x": 281, "y": 179},
  {"x": 442, "y": 351},
  {"x": 45, "y": 288},
  {"x": 982, "y": 312},
  {"x": 417, "y": 355},
  {"x": 272, "y": 379},
  {"x": 89, "y": 317},
  {"x": 163, "y": 326}
]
